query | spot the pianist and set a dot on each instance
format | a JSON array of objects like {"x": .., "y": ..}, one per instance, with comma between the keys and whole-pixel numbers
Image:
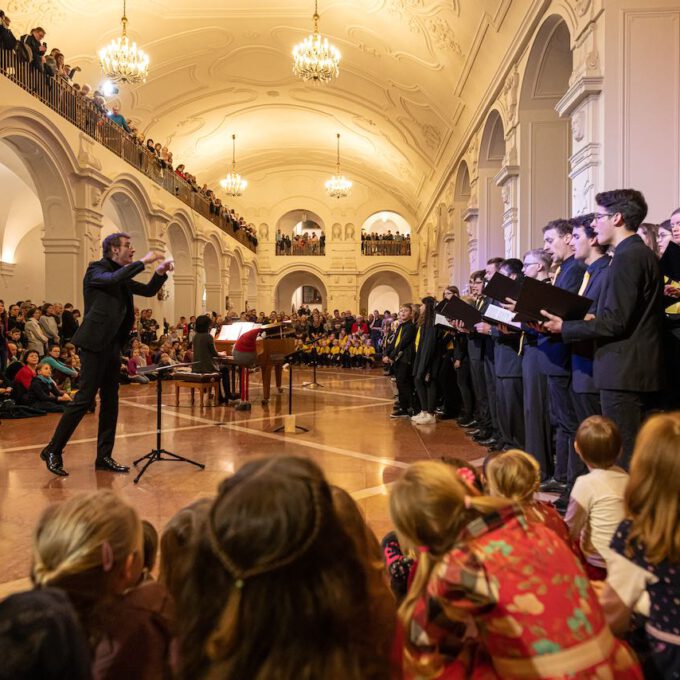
[{"x": 205, "y": 356}]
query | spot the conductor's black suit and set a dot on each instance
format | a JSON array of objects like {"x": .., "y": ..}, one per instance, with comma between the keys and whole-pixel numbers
[{"x": 109, "y": 314}]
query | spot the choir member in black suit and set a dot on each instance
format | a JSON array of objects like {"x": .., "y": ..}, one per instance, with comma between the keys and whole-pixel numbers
[{"x": 628, "y": 323}]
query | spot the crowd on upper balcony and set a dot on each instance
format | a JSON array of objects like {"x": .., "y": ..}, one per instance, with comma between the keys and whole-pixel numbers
[
  {"x": 374, "y": 243},
  {"x": 31, "y": 48}
]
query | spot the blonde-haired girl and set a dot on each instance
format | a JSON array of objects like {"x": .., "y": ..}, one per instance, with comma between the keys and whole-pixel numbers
[
  {"x": 91, "y": 546},
  {"x": 516, "y": 476},
  {"x": 645, "y": 567},
  {"x": 494, "y": 593}
]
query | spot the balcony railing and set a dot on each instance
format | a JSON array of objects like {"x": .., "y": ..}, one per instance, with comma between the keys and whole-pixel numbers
[
  {"x": 296, "y": 248},
  {"x": 81, "y": 111},
  {"x": 383, "y": 246}
]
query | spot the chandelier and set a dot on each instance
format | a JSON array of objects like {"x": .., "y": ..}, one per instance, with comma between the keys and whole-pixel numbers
[
  {"x": 233, "y": 183},
  {"x": 338, "y": 186},
  {"x": 123, "y": 62},
  {"x": 314, "y": 58}
]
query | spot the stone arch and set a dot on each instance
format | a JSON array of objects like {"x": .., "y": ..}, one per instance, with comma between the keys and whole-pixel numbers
[
  {"x": 124, "y": 209},
  {"x": 491, "y": 153},
  {"x": 43, "y": 163},
  {"x": 288, "y": 283},
  {"x": 464, "y": 220},
  {"x": 385, "y": 287},
  {"x": 545, "y": 138},
  {"x": 213, "y": 278}
]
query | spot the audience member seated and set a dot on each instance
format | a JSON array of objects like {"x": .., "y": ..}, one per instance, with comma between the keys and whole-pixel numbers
[
  {"x": 91, "y": 547},
  {"x": 48, "y": 323},
  {"x": 35, "y": 337},
  {"x": 133, "y": 363},
  {"x": 495, "y": 595},
  {"x": 596, "y": 503},
  {"x": 24, "y": 376},
  {"x": 643, "y": 573},
  {"x": 44, "y": 394},
  {"x": 272, "y": 537},
  {"x": 60, "y": 370}
]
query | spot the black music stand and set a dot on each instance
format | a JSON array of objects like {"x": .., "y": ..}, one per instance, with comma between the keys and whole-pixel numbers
[
  {"x": 290, "y": 400},
  {"x": 158, "y": 453},
  {"x": 313, "y": 385}
]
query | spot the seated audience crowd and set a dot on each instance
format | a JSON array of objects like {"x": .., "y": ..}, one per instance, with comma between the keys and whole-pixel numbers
[{"x": 277, "y": 575}]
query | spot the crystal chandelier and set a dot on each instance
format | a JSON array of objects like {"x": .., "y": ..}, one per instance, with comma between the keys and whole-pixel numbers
[
  {"x": 123, "y": 62},
  {"x": 314, "y": 58},
  {"x": 338, "y": 186},
  {"x": 233, "y": 183}
]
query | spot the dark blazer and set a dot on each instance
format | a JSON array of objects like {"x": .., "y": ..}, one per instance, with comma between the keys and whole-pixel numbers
[
  {"x": 405, "y": 350},
  {"x": 204, "y": 351},
  {"x": 583, "y": 351},
  {"x": 41, "y": 391},
  {"x": 7, "y": 39},
  {"x": 109, "y": 310},
  {"x": 629, "y": 324},
  {"x": 554, "y": 357},
  {"x": 507, "y": 359}
]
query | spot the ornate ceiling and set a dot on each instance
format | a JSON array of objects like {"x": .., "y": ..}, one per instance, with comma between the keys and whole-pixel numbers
[{"x": 220, "y": 67}]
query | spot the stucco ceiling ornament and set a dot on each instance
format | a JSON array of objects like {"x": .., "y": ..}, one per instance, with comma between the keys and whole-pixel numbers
[
  {"x": 38, "y": 10},
  {"x": 315, "y": 59},
  {"x": 443, "y": 36},
  {"x": 581, "y": 6}
]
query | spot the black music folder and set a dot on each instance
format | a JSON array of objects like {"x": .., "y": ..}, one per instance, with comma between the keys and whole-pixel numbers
[
  {"x": 501, "y": 287},
  {"x": 536, "y": 296},
  {"x": 670, "y": 262},
  {"x": 456, "y": 309}
]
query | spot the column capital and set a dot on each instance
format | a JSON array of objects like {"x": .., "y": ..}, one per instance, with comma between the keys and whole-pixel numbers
[
  {"x": 7, "y": 268},
  {"x": 60, "y": 245}
]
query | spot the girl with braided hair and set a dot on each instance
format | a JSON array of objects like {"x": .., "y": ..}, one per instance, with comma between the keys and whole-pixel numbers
[{"x": 277, "y": 588}]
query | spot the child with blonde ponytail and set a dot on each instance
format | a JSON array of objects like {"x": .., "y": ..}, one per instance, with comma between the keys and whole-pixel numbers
[
  {"x": 91, "y": 547},
  {"x": 494, "y": 595}
]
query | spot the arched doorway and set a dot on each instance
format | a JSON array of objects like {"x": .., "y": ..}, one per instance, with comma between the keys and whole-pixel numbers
[
  {"x": 236, "y": 292},
  {"x": 300, "y": 287},
  {"x": 122, "y": 213},
  {"x": 545, "y": 139},
  {"x": 490, "y": 224},
  {"x": 466, "y": 241},
  {"x": 384, "y": 290}
]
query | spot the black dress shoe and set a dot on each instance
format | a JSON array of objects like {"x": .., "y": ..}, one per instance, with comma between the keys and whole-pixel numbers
[
  {"x": 467, "y": 422},
  {"x": 553, "y": 485},
  {"x": 473, "y": 433},
  {"x": 482, "y": 435},
  {"x": 110, "y": 465},
  {"x": 489, "y": 441},
  {"x": 496, "y": 446},
  {"x": 53, "y": 461}
]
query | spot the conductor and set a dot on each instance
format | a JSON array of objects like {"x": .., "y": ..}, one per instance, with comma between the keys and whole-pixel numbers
[{"x": 108, "y": 288}]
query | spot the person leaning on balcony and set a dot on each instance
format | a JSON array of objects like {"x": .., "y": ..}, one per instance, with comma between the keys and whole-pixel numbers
[
  {"x": 118, "y": 118},
  {"x": 7, "y": 39},
  {"x": 34, "y": 40}
]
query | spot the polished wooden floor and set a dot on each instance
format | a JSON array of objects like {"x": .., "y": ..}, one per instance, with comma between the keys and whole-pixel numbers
[{"x": 350, "y": 436}]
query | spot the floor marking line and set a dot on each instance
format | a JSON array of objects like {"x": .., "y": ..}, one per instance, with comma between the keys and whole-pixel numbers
[
  {"x": 318, "y": 447},
  {"x": 88, "y": 440},
  {"x": 380, "y": 490}
]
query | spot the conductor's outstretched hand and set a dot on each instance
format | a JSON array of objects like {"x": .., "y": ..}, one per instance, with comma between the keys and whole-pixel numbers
[
  {"x": 166, "y": 266},
  {"x": 151, "y": 257}
]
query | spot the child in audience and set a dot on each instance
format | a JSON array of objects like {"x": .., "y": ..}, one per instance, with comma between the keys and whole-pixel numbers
[
  {"x": 91, "y": 546},
  {"x": 335, "y": 355},
  {"x": 495, "y": 596},
  {"x": 368, "y": 353},
  {"x": 516, "y": 476},
  {"x": 276, "y": 587},
  {"x": 596, "y": 503},
  {"x": 44, "y": 393},
  {"x": 150, "y": 547},
  {"x": 643, "y": 569}
]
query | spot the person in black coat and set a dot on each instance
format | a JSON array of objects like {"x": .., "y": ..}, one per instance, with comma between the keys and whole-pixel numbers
[
  {"x": 205, "y": 356},
  {"x": 69, "y": 324},
  {"x": 44, "y": 393},
  {"x": 108, "y": 288},
  {"x": 7, "y": 39},
  {"x": 628, "y": 323},
  {"x": 423, "y": 363},
  {"x": 400, "y": 355}
]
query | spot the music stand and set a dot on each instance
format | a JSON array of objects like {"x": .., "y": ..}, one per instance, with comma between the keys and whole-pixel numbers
[
  {"x": 158, "y": 453},
  {"x": 290, "y": 400},
  {"x": 313, "y": 385}
]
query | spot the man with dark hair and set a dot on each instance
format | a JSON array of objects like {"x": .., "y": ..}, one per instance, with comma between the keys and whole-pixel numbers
[
  {"x": 108, "y": 288},
  {"x": 555, "y": 361},
  {"x": 68, "y": 323},
  {"x": 627, "y": 328}
]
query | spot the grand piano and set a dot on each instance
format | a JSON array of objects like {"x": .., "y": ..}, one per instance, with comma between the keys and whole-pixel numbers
[{"x": 271, "y": 351}]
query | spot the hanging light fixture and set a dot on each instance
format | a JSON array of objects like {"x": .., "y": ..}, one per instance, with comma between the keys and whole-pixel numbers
[
  {"x": 315, "y": 58},
  {"x": 233, "y": 183},
  {"x": 338, "y": 186},
  {"x": 122, "y": 61}
]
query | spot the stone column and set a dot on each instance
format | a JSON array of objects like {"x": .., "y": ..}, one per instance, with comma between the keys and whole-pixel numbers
[
  {"x": 184, "y": 303},
  {"x": 508, "y": 180},
  {"x": 471, "y": 219},
  {"x": 585, "y": 104}
]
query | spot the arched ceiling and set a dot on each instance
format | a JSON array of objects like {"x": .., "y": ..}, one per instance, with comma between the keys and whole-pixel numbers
[{"x": 219, "y": 68}]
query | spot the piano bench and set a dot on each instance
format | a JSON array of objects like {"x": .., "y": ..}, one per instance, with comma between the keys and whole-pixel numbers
[{"x": 203, "y": 382}]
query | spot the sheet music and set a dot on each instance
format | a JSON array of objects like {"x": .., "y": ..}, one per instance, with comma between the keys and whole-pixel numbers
[
  {"x": 501, "y": 315},
  {"x": 440, "y": 320},
  {"x": 234, "y": 331}
]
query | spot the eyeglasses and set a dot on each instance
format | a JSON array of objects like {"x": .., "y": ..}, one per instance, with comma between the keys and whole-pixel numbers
[
  {"x": 600, "y": 215},
  {"x": 530, "y": 264}
]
